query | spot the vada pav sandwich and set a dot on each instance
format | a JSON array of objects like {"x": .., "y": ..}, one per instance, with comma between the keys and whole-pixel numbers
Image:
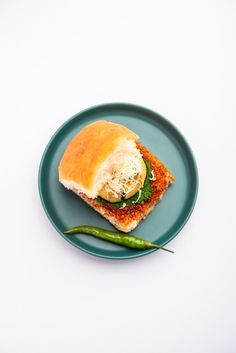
[{"x": 117, "y": 176}]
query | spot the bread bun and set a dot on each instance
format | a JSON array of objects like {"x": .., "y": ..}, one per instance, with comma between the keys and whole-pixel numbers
[{"x": 91, "y": 155}]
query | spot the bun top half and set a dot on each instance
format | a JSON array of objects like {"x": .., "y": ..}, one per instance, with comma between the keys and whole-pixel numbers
[{"x": 88, "y": 151}]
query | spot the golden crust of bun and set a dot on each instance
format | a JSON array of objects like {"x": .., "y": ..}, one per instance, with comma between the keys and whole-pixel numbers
[{"x": 89, "y": 149}]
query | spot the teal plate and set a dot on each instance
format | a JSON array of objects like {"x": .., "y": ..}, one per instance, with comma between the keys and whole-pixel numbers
[{"x": 64, "y": 209}]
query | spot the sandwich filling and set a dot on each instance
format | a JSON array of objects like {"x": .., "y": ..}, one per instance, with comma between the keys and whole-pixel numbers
[
  {"x": 123, "y": 174},
  {"x": 141, "y": 195}
]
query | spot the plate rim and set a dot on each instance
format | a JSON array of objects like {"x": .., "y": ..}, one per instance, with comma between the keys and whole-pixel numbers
[{"x": 122, "y": 105}]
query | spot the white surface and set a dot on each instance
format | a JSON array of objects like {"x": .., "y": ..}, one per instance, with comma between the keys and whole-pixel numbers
[{"x": 176, "y": 57}]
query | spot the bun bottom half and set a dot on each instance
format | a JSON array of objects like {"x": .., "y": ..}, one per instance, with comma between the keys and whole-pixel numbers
[{"x": 127, "y": 218}]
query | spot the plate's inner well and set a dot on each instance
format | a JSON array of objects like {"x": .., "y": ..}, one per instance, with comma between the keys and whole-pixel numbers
[{"x": 65, "y": 209}]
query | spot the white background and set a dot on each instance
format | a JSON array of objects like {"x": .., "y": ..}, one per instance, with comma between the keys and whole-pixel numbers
[{"x": 175, "y": 57}]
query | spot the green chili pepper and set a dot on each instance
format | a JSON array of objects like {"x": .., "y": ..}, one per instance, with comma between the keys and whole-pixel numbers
[{"x": 129, "y": 241}]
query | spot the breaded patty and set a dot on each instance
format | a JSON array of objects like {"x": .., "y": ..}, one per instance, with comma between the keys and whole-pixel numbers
[{"x": 127, "y": 218}]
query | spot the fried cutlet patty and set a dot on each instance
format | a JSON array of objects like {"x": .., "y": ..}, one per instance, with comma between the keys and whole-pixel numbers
[{"x": 127, "y": 218}]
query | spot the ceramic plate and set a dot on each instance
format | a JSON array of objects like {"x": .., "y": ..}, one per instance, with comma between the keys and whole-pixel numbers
[{"x": 64, "y": 209}]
